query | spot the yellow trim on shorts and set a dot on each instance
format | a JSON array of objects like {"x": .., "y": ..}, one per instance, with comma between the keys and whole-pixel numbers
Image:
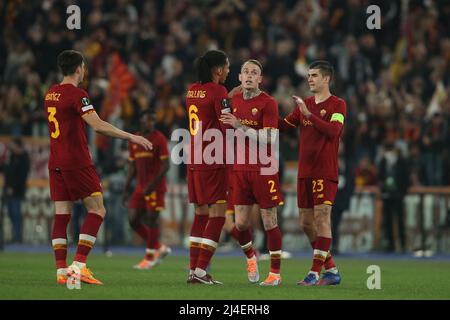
[
  {"x": 328, "y": 202},
  {"x": 95, "y": 194},
  {"x": 230, "y": 212},
  {"x": 221, "y": 201},
  {"x": 281, "y": 203},
  {"x": 159, "y": 208},
  {"x": 163, "y": 157}
]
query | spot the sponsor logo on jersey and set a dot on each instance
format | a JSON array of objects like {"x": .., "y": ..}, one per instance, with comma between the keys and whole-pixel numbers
[{"x": 247, "y": 122}]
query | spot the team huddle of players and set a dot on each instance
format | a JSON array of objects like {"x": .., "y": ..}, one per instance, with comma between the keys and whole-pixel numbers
[
  {"x": 241, "y": 186},
  {"x": 254, "y": 113}
]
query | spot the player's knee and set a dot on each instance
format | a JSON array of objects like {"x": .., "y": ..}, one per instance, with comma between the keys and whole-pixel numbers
[
  {"x": 306, "y": 226},
  {"x": 101, "y": 211},
  {"x": 242, "y": 225},
  {"x": 322, "y": 224}
]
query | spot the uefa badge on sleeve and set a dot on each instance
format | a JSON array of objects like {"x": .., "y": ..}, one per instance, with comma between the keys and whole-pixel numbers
[{"x": 85, "y": 101}]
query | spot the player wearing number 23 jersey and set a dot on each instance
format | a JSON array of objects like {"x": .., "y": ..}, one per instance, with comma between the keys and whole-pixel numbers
[{"x": 318, "y": 148}]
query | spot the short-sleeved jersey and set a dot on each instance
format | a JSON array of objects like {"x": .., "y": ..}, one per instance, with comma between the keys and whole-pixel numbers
[
  {"x": 319, "y": 137},
  {"x": 149, "y": 162},
  {"x": 257, "y": 113},
  {"x": 64, "y": 106},
  {"x": 203, "y": 104}
]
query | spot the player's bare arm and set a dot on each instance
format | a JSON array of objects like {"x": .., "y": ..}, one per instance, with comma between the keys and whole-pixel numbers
[
  {"x": 108, "y": 129},
  {"x": 267, "y": 135}
]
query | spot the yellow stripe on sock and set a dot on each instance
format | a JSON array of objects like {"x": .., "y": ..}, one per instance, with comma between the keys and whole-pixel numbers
[
  {"x": 85, "y": 243},
  {"x": 60, "y": 247},
  {"x": 206, "y": 247}
]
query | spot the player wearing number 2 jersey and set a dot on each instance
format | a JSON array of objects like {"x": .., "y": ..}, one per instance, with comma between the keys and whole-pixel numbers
[
  {"x": 255, "y": 114},
  {"x": 71, "y": 172}
]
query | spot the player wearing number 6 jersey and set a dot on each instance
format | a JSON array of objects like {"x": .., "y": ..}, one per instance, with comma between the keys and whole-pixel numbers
[
  {"x": 72, "y": 175},
  {"x": 320, "y": 119},
  {"x": 207, "y": 183}
]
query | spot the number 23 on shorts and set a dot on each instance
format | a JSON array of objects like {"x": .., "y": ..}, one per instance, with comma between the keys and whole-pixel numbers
[{"x": 317, "y": 185}]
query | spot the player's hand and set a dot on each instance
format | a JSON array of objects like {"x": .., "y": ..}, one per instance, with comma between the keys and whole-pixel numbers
[
  {"x": 230, "y": 119},
  {"x": 234, "y": 91},
  {"x": 141, "y": 141},
  {"x": 302, "y": 106}
]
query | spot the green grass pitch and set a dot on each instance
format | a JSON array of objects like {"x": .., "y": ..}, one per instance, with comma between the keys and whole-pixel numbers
[{"x": 32, "y": 276}]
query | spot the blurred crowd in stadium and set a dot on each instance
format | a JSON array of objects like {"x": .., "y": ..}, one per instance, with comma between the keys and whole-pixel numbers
[{"x": 396, "y": 80}]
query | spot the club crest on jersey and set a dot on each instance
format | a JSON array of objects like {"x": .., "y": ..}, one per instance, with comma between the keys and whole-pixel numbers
[
  {"x": 254, "y": 111},
  {"x": 234, "y": 110},
  {"x": 323, "y": 112}
]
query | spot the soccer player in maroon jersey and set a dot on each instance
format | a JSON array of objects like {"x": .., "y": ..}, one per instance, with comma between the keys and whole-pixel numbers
[
  {"x": 147, "y": 200},
  {"x": 321, "y": 119},
  {"x": 207, "y": 185},
  {"x": 255, "y": 114},
  {"x": 71, "y": 172}
]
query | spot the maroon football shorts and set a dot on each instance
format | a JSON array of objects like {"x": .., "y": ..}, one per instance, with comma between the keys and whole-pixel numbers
[
  {"x": 250, "y": 187},
  {"x": 137, "y": 199},
  {"x": 155, "y": 201},
  {"x": 74, "y": 185},
  {"x": 312, "y": 192},
  {"x": 151, "y": 202},
  {"x": 207, "y": 187}
]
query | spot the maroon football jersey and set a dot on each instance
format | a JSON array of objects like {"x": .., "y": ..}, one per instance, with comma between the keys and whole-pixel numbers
[
  {"x": 149, "y": 162},
  {"x": 203, "y": 104},
  {"x": 258, "y": 113},
  {"x": 65, "y": 105},
  {"x": 319, "y": 137}
]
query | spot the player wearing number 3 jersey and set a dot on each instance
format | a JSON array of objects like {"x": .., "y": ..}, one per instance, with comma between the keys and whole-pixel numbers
[{"x": 72, "y": 175}]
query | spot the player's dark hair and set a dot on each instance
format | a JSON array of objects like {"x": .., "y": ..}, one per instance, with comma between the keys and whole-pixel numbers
[
  {"x": 255, "y": 62},
  {"x": 68, "y": 61},
  {"x": 205, "y": 64},
  {"x": 326, "y": 69}
]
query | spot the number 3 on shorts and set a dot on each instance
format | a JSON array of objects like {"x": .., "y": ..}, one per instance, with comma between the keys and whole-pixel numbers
[
  {"x": 319, "y": 184},
  {"x": 51, "y": 118}
]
